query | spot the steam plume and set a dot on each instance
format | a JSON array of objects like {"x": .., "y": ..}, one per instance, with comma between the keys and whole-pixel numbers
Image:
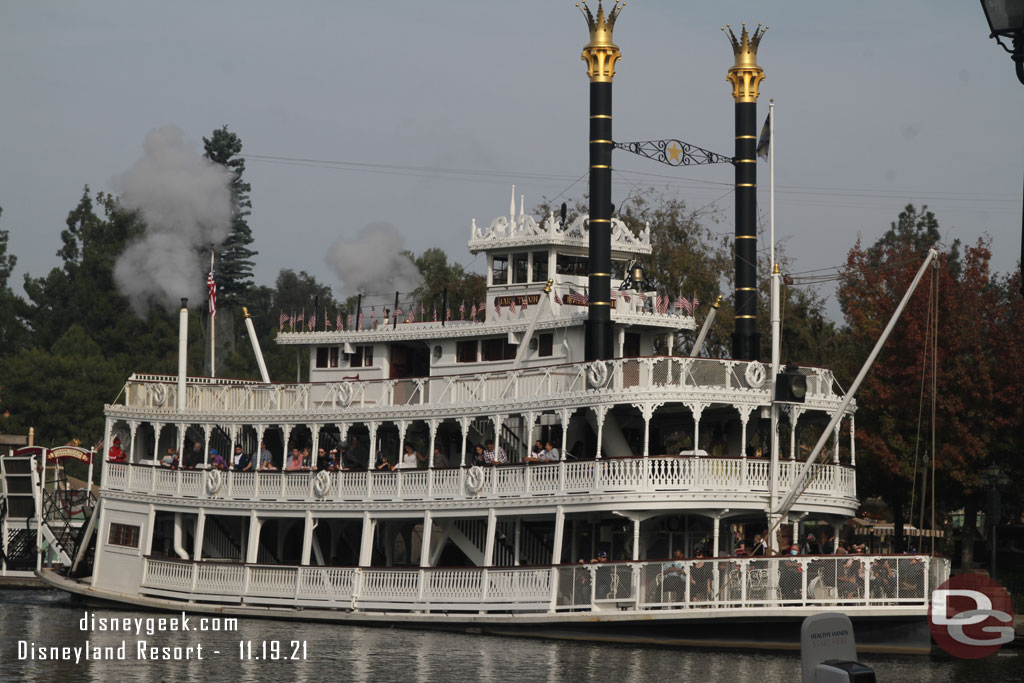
[
  {"x": 374, "y": 262},
  {"x": 185, "y": 200}
]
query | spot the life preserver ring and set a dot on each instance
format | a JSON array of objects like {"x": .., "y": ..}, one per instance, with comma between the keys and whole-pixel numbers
[
  {"x": 322, "y": 484},
  {"x": 345, "y": 393},
  {"x": 597, "y": 374},
  {"x": 474, "y": 479},
  {"x": 159, "y": 395},
  {"x": 214, "y": 482},
  {"x": 755, "y": 375}
]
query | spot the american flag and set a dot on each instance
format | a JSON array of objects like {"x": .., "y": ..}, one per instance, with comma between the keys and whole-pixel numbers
[
  {"x": 497, "y": 308},
  {"x": 626, "y": 297},
  {"x": 512, "y": 305},
  {"x": 327, "y": 320},
  {"x": 312, "y": 321},
  {"x": 211, "y": 287},
  {"x": 291, "y": 321},
  {"x": 360, "y": 319},
  {"x": 524, "y": 304},
  {"x": 398, "y": 313},
  {"x": 472, "y": 314},
  {"x": 684, "y": 303},
  {"x": 283, "y": 319},
  {"x": 435, "y": 315},
  {"x": 447, "y": 314},
  {"x": 338, "y": 322},
  {"x": 348, "y": 322},
  {"x": 412, "y": 314},
  {"x": 696, "y": 302},
  {"x": 558, "y": 299},
  {"x": 373, "y": 312},
  {"x": 302, "y": 316},
  {"x": 586, "y": 298},
  {"x": 462, "y": 309},
  {"x": 663, "y": 302}
]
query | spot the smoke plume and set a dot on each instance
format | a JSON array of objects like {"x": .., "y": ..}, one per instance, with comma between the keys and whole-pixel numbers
[
  {"x": 185, "y": 200},
  {"x": 373, "y": 262}
]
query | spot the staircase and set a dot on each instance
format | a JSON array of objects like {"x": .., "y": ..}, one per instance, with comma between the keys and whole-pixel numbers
[
  {"x": 511, "y": 438},
  {"x": 220, "y": 542},
  {"x": 470, "y": 535}
]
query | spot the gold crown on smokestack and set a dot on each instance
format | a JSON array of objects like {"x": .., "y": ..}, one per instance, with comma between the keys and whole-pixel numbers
[
  {"x": 745, "y": 75},
  {"x": 601, "y": 53}
]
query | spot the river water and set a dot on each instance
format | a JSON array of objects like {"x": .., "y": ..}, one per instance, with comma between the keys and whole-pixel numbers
[{"x": 44, "y": 619}]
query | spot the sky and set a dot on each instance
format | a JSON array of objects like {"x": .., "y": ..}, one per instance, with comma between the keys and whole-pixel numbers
[{"x": 429, "y": 112}]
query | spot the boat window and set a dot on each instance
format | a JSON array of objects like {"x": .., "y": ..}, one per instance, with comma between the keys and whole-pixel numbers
[
  {"x": 545, "y": 344},
  {"x": 363, "y": 357},
  {"x": 567, "y": 264},
  {"x": 327, "y": 357},
  {"x": 540, "y": 266},
  {"x": 631, "y": 345},
  {"x": 123, "y": 534},
  {"x": 465, "y": 351},
  {"x": 520, "y": 267},
  {"x": 497, "y": 349},
  {"x": 499, "y": 270}
]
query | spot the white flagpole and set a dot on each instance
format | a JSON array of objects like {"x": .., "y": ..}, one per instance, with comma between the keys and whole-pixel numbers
[
  {"x": 213, "y": 326},
  {"x": 776, "y": 322}
]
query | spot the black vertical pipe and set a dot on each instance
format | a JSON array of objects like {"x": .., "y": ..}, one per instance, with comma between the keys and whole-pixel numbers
[
  {"x": 599, "y": 320},
  {"x": 745, "y": 338},
  {"x": 359, "y": 309},
  {"x": 444, "y": 307},
  {"x": 394, "y": 313}
]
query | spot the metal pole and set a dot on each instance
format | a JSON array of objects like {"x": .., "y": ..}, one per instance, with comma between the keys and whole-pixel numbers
[
  {"x": 213, "y": 326},
  {"x": 394, "y": 313},
  {"x": 256, "y": 345},
  {"x": 776, "y": 322},
  {"x": 800, "y": 479},
  {"x": 600, "y": 54},
  {"x": 706, "y": 327}
]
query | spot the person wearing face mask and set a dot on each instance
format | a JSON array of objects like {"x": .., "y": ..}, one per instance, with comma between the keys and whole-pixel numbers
[{"x": 790, "y": 575}]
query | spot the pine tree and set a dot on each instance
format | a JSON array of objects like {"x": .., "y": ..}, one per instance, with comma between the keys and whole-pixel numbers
[{"x": 234, "y": 268}]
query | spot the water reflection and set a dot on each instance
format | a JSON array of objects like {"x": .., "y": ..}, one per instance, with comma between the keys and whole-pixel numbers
[{"x": 353, "y": 653}]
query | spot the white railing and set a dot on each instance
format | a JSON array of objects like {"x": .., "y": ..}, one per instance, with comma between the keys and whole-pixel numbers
[
  {"x": 845, "y": 582},
  {"x": 157, "y": 394},
  {"x": 613, "y": 475}
]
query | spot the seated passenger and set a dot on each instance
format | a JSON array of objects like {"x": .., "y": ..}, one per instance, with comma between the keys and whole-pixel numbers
[
  {"x": 322, "y": 461},
  {"x": 170, "y": 459},
  {"x": 440, "y": 459},
  {"x": 409, "y": 458},
  {"x": 294, "y": 461},
  {"x": 266, "y": 458},
  {"x": 674, "y": 577},
  {"x": 478, "y": 455},
  {"x": 217, "y": 461},
  {"x": 383, "y": 464},
  {"x": 495, "y": 455},
  {"x": 243, "y": 461},
  {"x": 551, "y": 453},
  {"x": 116, "y": 454}
]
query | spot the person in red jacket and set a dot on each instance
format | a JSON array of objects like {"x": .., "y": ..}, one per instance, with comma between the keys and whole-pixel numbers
[{"x": 116, "y": 454}]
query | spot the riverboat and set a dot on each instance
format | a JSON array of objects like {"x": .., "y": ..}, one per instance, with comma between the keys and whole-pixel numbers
[{"x": 655, "y": 454}]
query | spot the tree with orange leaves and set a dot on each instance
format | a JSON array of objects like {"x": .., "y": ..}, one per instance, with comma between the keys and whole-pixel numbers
[{"x": 894, "y": 417}]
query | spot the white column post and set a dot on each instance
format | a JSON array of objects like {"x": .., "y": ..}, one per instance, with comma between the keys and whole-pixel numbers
[
  {"x": 492, "y": 525},
  {"x": 432, "y": 425},
  {"x": 252, "y": 549},
  {"x": 197, "y": 550},
  {"x": 716, "y": 525},
  {"x": 835, "y": 439},
  {"x": 307, "y": 538},
  {"x": 518, "y": 540},
  {"x": 636, "y": 539},
  {"x": 366, "y": 540},
  {"x": 206, "y": 444},
  {"x": 853, "y": 444},
  {"x": 464, "y": 423},
  {"x": 428, "y": 520},
  {"x": 599, "y": 412},
  {"x": 133, "y": 427},
  {"x": 314, "y": 452},
  {"x": 556, "y": 551}
]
